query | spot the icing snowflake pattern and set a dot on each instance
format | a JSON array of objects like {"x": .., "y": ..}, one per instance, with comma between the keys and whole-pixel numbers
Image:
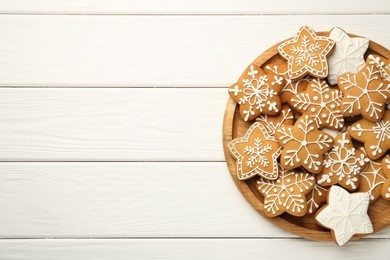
[
  {"x": 315, "y": 198},
  {"x": 382, "y": 64},
  {"x": 271, "y": 123},
  {"x": 257, "y": 93},
  {"x": 321, "y": 103},
  {"x": 372, "y": 180},
  {"x": 287, "y": 193},
  {"x": 257, "y": 153},
  {"x": 365, "y": 93},
  {"x": 303, "y": 145},
  {"x": 345, "y": 214}
]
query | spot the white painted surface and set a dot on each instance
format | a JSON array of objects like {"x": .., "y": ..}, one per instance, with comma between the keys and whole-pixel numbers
[
  {"x": 193, "y": 7},
  {"x": 151, "y": 51},
  {"x": 138, "y": 46}
]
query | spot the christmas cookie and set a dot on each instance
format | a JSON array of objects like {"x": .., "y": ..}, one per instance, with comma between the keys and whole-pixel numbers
[
  {"x": 365, "y": 93},
  {"x": 386, "y": 171},
  {"x": 345, "y": 215},
  {"x": 303, "y": 145},
  {"x": 278, "y": 66},
  {"x": 271, "y": 123},
  {"x": 287, "y": 193},
  {"x": 343, "y": 164},
  {"x": 257, "y": 93},
  {"x": 375, "y": 136},
  {"x": 315, "y": 198},
  {"x": 348, "y": 55},
  {"x": 372, "y": 180},
  {"x": 382, "y": 64},
  {"x": 321, "y": 103},
  {"x": 256, "y": 153},
  {"x": 307, "y": 54}
]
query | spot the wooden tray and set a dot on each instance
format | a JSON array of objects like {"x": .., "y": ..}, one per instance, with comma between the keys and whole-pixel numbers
[{"x": 234, "y": 126}]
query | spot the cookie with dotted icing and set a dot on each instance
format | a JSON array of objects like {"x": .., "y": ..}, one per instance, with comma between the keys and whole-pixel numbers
[
  {"x": 372, "y": 180},
  {"x": 345, "y": 214},
  {"x": 303, "y": 145},
  {"x": 256, "y": 153},
  {"x": 365, "y": 93},
  {"x": 257, "y": 93},
  {"x": 278, "y": 66},
  {"x": 271, "y": 123},
  {"x": 382, "y": 64},
  {"x": 343, "y": 164},
  {"x": 315, "y": 198},
  {"x": 321, "y": 103},
  {"x": 348, "y": 56},
  {"x": 375, "y": 136},
  {"x": 307, "y": 54},
  {"x": 386, "y": 171},
  {"x": 287, "y": 193}
]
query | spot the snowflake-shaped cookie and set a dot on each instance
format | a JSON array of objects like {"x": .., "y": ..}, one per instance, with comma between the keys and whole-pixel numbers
[
  {"x": 287, "y": 193},
  {"x": 303, "y": 145},
  {"x": 348, "y": 55},
  {"x": 271, "y": 123},
  {"x": 315, "y": 198},
  {"x": 365, "y": 93},
  {"x": 256, "y": 153},
  {"x": 257, "y": 93},
  {"x": 382, "y": 64},
  {"x": 375, "y": 136},
  {"x": 306, "y": 54},
  {"x": 278, "y": 66},
  {"x": 321, "y": 103},
  {"x": 342, "y": 164},
  {"x": 372, "y": 180},
  {"x": 345, "y": 215},
  {"x": 386, "y": 171}
]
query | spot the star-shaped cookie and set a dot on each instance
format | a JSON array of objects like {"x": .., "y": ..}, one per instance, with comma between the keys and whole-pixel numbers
[
  {"x": 343, "y": 164},
  {"x": 382, "y": 64},
  {"x": 365, "y": 93},
  {"x": 257, "y": 93},
  {"x": 386, "y": 171},
  {"x": 315, "y": 198},
  {"x": 287, "y": 193},
  {"x": 303, "y": 145},
  {"x": 271, "y": 123},
  {"x": 306, "y": 54},
  {"x": 345, "y": 215},
  {"x": 372, "y": 180},
  {"x": 375, "y": 136},
  {"x": 321, "y": 103},
  {"x": 348, "y": 55},
  {"x": 256, "y": 153}
]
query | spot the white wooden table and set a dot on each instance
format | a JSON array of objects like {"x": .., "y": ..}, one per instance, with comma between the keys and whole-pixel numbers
[{"x": 111, "y": 122}]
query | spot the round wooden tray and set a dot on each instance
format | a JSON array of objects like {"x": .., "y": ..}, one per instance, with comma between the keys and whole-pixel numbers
[{"x": 234, "y": 126}]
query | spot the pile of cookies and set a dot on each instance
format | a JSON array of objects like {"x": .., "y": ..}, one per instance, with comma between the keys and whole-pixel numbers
[{"x": 321, "y": 130}]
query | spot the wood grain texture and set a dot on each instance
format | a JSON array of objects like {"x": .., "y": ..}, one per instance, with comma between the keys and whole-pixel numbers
[
  {"x": 190, "y": 249},
  {"x": 192, "y": 7},
  {"x": 151, "y": 51},
  {"x": 95, "y": 124},
  {"x": 127, "y": 200}
]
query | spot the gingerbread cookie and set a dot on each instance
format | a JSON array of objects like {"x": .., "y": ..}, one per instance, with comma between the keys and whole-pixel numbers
[
  {"x": 382, "y": 64},
  {"x": 307, "y": 54},
  {"x": 345, "y": 215},
  {"x": 321, "y": 103},
  {"x": 372, "y": 180},
  {"x": 365, "y": 93},
  {"x": 375, "y": 136},
  {"x": 386, "y": 171},
  {"x": 278, "y": 66},
  {"x": 287, "y": 193},
  {"x": 343, "y": 164},
  {"x": 348, "y": 55},
  {"x": 303, "y": 145},
  {"x": 257, "y": 93},
  {"x": 315, "y": 198},
  {"x": 256, "y": 153},
  {"x": 271, "y": 123}
]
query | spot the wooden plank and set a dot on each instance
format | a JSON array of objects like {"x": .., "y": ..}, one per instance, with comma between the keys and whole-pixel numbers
[
  {"x": 127, "y": 200},
  {"x": 124, "y": 249},
  {"x": 151, "y": 51},
  {"x": 192, "y": 7},
  {"x": 96, "y": 124}
]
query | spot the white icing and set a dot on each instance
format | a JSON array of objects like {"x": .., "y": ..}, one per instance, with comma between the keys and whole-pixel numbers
[
  {"x": 317, "y": 191},
  {"x": 287, "y": 114},
  {"x": 348, "y": 55},
  {"x": 346, "y": 214},
  {"x": 373, "y": 178}
]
